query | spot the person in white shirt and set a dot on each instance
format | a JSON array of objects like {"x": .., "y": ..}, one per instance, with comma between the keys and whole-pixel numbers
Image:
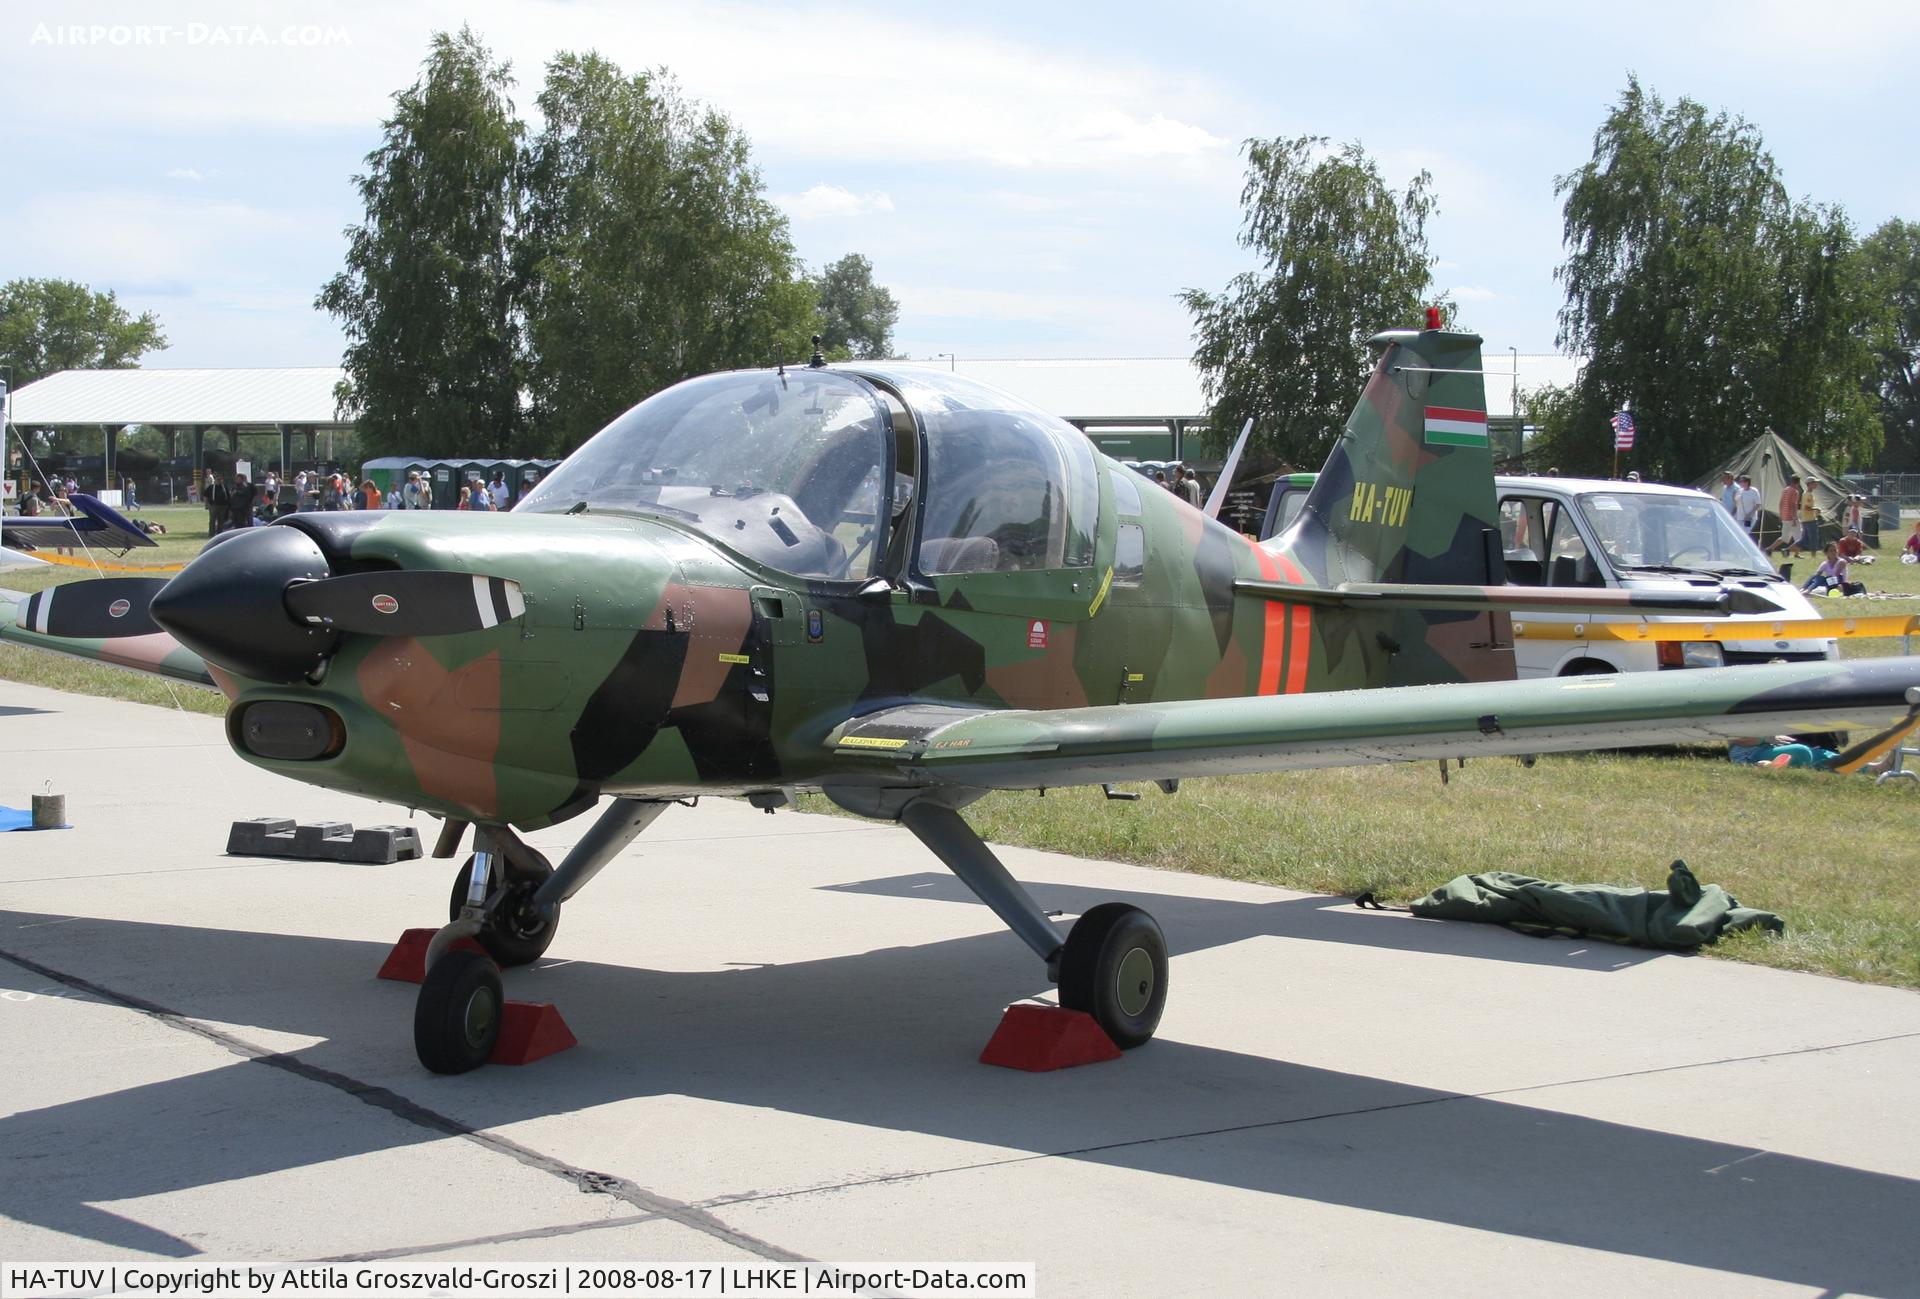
[{"x": 1747, "y": 505}]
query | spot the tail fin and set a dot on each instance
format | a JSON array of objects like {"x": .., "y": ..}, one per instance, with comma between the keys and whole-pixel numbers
[
  {"x": 1407, "y": 493},
  {"x": 1407, "y": 498}
]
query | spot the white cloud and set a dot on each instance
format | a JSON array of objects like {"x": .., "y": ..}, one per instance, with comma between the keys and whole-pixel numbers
[
  {"x": 825, "y": 200},
  {"x": 183, "y": 173},
  {"x": 1471, "y": 293}
]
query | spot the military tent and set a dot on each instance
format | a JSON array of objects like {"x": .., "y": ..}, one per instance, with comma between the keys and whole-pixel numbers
[{"x": 1768, "y": 460}]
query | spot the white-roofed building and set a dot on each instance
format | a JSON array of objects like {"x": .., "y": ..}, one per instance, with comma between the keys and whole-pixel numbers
[
  {"x": 1135, "y": 408},
  {"x": 292, "y": 402}
]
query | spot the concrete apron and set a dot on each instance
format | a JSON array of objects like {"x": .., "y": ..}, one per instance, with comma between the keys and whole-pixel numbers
[{"x": 779, "y": 1018}]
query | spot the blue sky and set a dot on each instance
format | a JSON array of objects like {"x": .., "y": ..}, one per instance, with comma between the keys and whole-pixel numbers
[{"x": 1029, "y": 179}]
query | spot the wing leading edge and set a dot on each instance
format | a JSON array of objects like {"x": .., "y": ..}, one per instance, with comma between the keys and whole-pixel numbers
[{"x": 1216, "y": 737}]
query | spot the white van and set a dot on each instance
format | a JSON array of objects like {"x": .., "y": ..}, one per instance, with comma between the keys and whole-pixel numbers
[
  {"x": 1637, "y": 536},
  {"x": 1603, "y": 533}
]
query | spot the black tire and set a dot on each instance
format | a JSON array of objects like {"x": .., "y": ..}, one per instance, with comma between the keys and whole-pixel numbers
[
  {"x": 1114, "y": 967},
  {"x": 456, "y": 1021},
  {"x": 512, "y": 935}
]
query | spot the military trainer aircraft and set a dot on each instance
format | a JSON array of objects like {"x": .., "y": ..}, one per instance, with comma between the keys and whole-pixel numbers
[{"x": 902, "y": 589}]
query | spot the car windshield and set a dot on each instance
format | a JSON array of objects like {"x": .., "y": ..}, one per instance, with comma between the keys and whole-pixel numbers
[
  {"x": 1660, "y": 531},
  {"x": 784, "y": 468}
]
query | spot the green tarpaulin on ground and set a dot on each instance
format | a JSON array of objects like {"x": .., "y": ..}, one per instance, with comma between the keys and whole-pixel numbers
[{"x": 1684, "y": 915}]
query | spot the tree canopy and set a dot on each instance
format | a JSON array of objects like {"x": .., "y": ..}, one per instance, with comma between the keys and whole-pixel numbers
[
  {"x": 1342, "y": 256},
  {"x": 1708, "y": 299},
  {"x": 428, "y": 299},
  {"x": 507, "y": 295},
  {"x": 1891, "y": 256},
  {"x": 856, "y": 316},
  {"x": 650, "y": 250},
  {"x": 51, "y": 325}
]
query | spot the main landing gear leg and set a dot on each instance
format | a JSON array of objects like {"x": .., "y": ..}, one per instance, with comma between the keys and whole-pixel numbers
[
  {"x": 508, "y": 899},
  {"x": 1113, "y": 964}
]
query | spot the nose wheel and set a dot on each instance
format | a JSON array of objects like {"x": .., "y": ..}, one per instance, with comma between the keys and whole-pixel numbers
[
  {"x": 1114, "y": 967},
  {"x": 512, "y": 931},
  {"x": 456, "y": 1020}
]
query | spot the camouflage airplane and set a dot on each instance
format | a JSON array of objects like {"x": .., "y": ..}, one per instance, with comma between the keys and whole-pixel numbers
[{"x": 902, "y": 589}]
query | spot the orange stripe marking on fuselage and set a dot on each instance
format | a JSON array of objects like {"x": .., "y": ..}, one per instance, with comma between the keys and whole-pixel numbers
[
  {"x": 1273, "y": 638},
  {"x": 1299, "y": 636}
]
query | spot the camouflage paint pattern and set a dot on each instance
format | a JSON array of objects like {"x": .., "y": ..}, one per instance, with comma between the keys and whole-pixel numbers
[{"x": 653, "y": 661}]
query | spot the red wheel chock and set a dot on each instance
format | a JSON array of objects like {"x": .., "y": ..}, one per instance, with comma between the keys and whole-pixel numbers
[
  {"x": 407, "y": 962},
  {"x": 529, "y": 1030},
  {"x": 1038, "y": 1038}
]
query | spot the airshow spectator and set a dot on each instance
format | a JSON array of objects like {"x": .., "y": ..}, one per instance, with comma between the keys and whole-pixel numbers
[
  {"x": 1189, "y": 487},
  {"x": 216, "y": 498},
  {"x": 1831, "y": 576},
  {"x": 369, "y": 495},
  {"x": 1747, "y": 503},
  {"x": 1809, "y": 520},
  {"x": 1789, "y": 542},
  {"x": 1730, "y": 493},
  {"x": 497, "y": 490},
  {"x": 240, "y": 503},
  {"x": 1853, "y": 548},
  {"x": 1911, "y": 555},
  {"x": 466, "y": 499},
  {"x": 410, "y": 494},
  {"x": 1856, "y": 520}
]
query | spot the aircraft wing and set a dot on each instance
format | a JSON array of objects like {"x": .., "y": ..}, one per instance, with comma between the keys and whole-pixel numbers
[
  {"x": 982, "y": 749},
  {"x": 155, "y": 652},
  {"x": 95, "y": 525}
]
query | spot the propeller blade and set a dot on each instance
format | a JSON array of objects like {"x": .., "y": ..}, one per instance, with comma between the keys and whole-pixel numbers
[
  {"x": 101, "y": 609},
  {"x": 406, "y": 602}
]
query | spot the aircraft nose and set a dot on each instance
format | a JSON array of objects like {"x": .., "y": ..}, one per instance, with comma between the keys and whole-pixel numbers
[{"x": 228, "y": 605}]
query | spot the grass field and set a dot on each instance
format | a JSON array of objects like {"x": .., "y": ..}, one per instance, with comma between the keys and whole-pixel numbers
[{"x": 1838, "y": 857}]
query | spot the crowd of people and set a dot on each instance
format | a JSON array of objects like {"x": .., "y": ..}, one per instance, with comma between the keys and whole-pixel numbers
[{"x": 241, "y": 503}]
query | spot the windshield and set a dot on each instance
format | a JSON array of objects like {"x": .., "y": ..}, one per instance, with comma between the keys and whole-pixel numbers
[
  {"x": 1658, "y": 531},
  {"x": 783, "y": 468}
]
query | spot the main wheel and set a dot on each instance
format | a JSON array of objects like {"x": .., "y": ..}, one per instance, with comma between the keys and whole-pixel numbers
[
  {"x": 513, "y": 933},
  {"x": 1114, "y": 967},
  {"x": 457, "y": 1018}
]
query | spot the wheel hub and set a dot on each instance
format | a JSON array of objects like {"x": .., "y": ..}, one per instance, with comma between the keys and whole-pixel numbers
[
  {"x": 1133, "y": 983},
  {"x": 479, "y": 1017}
]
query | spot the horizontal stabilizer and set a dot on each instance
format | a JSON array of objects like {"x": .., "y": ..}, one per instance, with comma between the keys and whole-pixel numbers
[{"x": 1563, "y": 599}]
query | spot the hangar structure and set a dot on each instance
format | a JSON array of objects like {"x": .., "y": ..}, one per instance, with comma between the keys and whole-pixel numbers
[{"x": 297, "y": 403}]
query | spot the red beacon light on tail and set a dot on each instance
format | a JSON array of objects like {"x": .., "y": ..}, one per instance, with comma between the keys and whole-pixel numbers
[{"x": 1433, "y": 317}]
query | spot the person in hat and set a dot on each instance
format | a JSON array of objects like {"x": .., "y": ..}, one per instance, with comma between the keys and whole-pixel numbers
[{"x": 410, "y": 494}]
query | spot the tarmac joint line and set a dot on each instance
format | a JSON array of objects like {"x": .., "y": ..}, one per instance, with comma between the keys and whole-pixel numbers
[{"x": 585, "y": 1180}]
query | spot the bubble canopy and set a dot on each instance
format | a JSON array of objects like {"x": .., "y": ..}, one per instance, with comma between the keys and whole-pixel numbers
[{"x": 786, "y": 468}]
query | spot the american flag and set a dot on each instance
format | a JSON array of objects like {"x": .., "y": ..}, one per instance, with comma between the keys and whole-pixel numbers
[{"x": 1622, "y": 422}]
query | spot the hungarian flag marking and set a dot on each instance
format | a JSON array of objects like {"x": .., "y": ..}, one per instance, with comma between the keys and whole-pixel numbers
[{"x": 1448, "y": 426}]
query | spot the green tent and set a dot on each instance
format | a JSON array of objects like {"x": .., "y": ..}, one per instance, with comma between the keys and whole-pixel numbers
[{"x": 1768, "y": 459}]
